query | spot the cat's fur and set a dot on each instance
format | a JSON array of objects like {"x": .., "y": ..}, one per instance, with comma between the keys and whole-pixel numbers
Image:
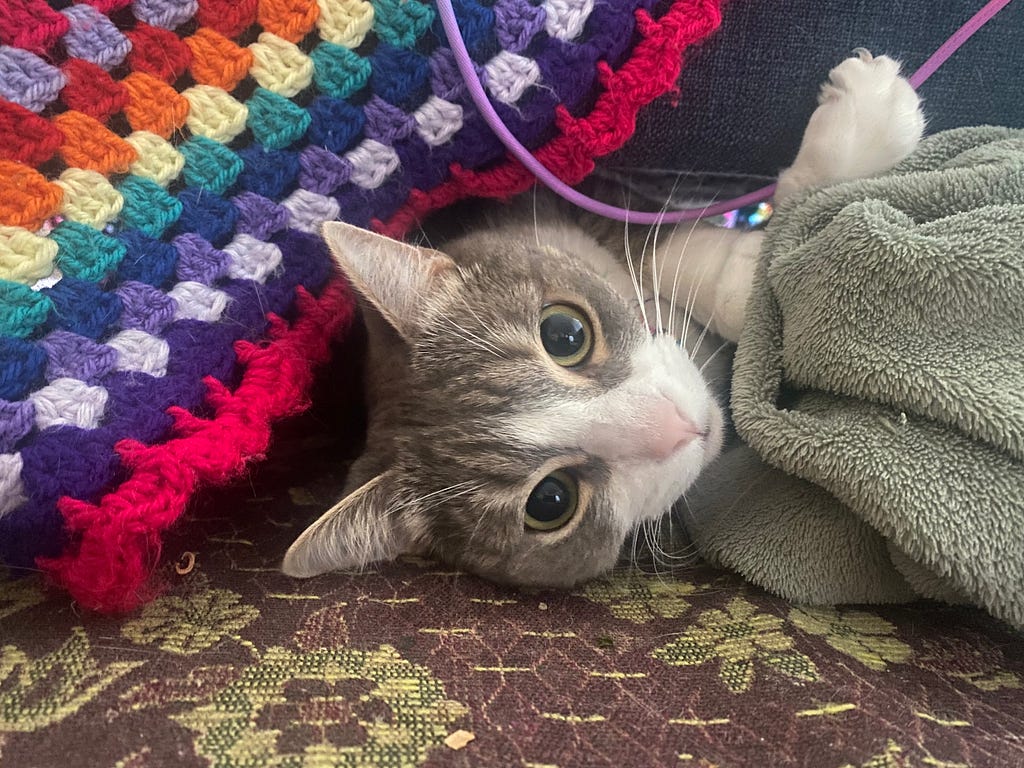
[{"x": 468, "y": 412}]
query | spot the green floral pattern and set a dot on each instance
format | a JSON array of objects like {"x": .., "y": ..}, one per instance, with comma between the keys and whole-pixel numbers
[
  {"x": 18, "y": 594},
  {"x": 739, "y": 638},
  {"x": 868, "y": 638},
  {"x": 188, "y": 625},
  {"x": 640, "y": 599},
  {"x": 38, "y": 692},
  {"x": 236, "y": 665},
  {"x": 349, "y": 708}
]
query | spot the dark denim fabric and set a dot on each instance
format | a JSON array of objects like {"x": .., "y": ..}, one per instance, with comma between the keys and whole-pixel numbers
[{"x": 747, "y": 92}]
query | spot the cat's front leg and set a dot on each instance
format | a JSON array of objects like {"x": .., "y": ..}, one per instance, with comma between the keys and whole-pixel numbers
[
  {"x": 869, "y": 119},
  {"x": 708, "y": 271}
]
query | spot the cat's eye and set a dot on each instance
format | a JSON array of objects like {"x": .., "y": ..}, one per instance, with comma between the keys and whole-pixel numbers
[
  {"x": 552, "y": 502},
  {"x": 566, "y": 334}
]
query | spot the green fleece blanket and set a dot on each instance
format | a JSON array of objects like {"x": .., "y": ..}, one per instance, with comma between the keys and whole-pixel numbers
[{"x": 879, "y": 390}]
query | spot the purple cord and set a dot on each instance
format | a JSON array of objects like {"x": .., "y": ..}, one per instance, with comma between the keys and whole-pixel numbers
[
  {"x": 521, "y": 153},
  {"x": 958, "y": 38}
]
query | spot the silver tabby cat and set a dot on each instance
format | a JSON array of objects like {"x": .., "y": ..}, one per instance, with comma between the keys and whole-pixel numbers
[{"x": 532, "y": 403}]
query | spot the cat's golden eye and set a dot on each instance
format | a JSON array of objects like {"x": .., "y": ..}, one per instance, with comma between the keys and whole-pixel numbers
[
  {"x": 566, "y": 334},
  {"x": 553, "y": 502}
]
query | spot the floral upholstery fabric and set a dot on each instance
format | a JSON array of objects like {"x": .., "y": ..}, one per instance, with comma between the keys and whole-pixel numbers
[{"x": 236, "y": 665}]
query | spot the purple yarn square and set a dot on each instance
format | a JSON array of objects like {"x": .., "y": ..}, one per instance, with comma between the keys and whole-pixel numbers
[
  {"x": 16, "y": 421},
  {"x": 385, "y": 122},
  {"x": 445, "y": 78},
  {"x": 568, "y": 68},
  {"x": 199, "y": 261},
  {"x": 144, "y": 307},
  {"x": 86, "y": 459},
  {"x": 77, "y": 357},
  {"x": 27, "y": 80},
  {"x": 94, "y": 37},
  {"x": 516, "y": 23},
  {"x": 260, "y": 216},
  {"x": 168, "y": 14},
  {"x": 322, "y": 171}
]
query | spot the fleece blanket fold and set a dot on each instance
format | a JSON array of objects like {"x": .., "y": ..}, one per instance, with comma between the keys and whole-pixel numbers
[{"x": 879, "y": 390}]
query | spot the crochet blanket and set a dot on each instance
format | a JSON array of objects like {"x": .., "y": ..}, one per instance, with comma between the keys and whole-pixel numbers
[
  {"x": 878, "y": 386},
  {"x": 164, "y": 169}
]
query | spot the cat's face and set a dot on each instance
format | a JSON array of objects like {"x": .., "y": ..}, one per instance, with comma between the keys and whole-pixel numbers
[{"x": 537, "y": 423}]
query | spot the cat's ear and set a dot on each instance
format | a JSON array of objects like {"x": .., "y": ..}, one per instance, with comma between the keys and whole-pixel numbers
[
  {"x": 395, "y": 277},
  {"x": 359, "y": 530}
]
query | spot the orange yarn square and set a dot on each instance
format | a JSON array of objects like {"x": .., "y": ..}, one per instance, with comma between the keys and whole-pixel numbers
[
  {"x": 290, "y": 19},
  {"x": 216, "y": 60},
  {"x": 90, "y": 145},
  {"x": 153, "y": 105},
  {"x": 27, "y": 199}
]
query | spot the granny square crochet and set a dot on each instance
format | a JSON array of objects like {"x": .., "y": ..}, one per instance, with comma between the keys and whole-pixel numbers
[{"x": 165, "y": 166}]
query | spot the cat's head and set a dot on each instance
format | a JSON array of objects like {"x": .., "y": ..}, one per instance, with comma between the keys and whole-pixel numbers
[{"x": 534, "y": 419}]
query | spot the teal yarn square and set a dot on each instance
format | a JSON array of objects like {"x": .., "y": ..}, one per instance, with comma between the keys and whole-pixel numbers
[
  {"x": 209, "y": 164},
  {"x": 147, "y": 206},
  {"x": 276, "y": 122},
  {"x": 86, "y": 253}
]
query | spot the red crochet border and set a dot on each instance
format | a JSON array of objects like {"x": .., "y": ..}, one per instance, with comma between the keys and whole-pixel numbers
[
  {"x": 119, "y": 540},
  {"x": 651, "y": 71},
  {"x": 108, "y": 569}
]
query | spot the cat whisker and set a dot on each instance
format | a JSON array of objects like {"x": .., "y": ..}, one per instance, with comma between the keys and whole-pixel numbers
[
  {"x": 644, "y": 529},
  {"x": 675, "y": 284},
  {"x": 681, "y": 555},
  {"x": 684, "y": 555},
  {"x": 449, "y": 492},
  {"x": 525, "y": 556},
  {"x": 700, "y": 339},
  {"x": 465, "y": 484},
  {"x": 707, "y": 324},
  {"x": 475, "y": 341},
  {"x": 688, "y": 510},
  {"x": 655, "y": 272},
  {"x": 477, "y": 317},
  {"x": 637, "y": 285},
  {"x": 693, "y": 305},
  {"x": 692, "y": 292},
  {"x": 679, "y": 263},
  {"x": 634, "y": 564},
  {"x": 655, "y": 275},
  {"x": 536, "y": 224},
  {"x": 647, "y": 543},
  {"x": 713, "y": 355},
  {"x": 476, "y": 529},
  {"x": 660, "y": 556},
  {"x": 640, "y": 271},
  {"x": 483, "y": 510},
  {"x": 655, "y": 549},
  {"x": 425, "y": 237},
  {"x": 458, "y": 494}
]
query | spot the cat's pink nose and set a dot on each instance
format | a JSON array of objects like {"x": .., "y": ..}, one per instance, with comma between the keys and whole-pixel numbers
[
  {"x": 653, "y": 433},
  {"x": 670, "y": 431}
]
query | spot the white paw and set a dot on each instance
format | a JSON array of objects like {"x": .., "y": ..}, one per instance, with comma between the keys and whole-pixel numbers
[{"x": 869, "y": 119}]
